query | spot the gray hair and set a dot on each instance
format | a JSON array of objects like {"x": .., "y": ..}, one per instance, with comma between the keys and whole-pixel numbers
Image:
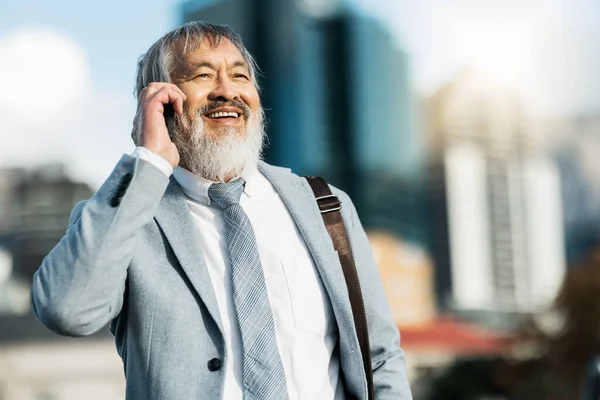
[{"x": 157, "y": 64}]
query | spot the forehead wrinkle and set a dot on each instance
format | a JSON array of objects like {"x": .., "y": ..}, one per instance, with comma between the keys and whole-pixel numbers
[
  {"x": 240, "y": 63},
  {"x": 184, "y": 46},
  {"x": 209, "y": 64}
]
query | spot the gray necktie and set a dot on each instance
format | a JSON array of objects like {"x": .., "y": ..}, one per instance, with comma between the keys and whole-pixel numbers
[{"x": 262, "y": 371}]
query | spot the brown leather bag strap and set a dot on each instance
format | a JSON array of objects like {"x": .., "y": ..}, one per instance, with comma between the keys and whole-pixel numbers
[{"x": 330, "y": 207}]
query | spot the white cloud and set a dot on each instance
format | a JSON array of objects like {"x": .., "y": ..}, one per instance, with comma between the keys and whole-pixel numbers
[
  {"x": 545, "y": 48},
  {"x": 50, "y": 111},
  {"x": 41, "y": 73}
]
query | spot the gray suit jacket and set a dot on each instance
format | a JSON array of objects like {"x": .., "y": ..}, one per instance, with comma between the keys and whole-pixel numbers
[{"x": 130, "y": 257}]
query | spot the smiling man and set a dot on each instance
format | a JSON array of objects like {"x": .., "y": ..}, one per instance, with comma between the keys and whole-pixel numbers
[{"x": 213, "y": 268}]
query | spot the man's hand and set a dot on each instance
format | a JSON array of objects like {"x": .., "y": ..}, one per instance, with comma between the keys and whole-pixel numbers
[{"x": 150, "y": 121}]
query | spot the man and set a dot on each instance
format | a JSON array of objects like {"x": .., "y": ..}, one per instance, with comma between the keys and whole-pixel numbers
[{"x": 214, "y": 269}]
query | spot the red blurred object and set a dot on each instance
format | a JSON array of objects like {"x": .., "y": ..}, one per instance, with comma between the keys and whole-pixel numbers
[{"x": 447, "y": 335}]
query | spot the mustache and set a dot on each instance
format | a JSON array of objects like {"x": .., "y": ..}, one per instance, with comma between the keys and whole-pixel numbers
[{"x": 216, "y": 104}]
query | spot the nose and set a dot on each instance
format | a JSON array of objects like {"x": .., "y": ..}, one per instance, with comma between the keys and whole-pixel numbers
[{"x": 224, "y": 90}]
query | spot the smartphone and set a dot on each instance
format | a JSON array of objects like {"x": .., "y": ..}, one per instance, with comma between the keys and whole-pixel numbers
[{"x": 169, "y": 118}]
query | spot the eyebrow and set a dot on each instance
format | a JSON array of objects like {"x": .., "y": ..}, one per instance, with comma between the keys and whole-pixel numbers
[{"x": 208, "y": 64}]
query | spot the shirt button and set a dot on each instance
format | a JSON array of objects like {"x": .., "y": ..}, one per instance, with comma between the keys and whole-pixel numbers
[{"x": 214, "y": 364}]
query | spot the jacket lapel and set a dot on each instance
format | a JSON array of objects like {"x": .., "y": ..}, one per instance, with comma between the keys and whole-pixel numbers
[
  {"x": 174, "y": 218},
  {"x": 300, "y": 202}
]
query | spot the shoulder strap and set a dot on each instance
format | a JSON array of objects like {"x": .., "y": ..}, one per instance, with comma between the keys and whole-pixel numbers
[{"x": 330, "y": 207}]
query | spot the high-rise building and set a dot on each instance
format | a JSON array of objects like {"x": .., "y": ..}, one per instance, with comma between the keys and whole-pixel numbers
[
  {"x": 337, "y": 96},
  {"x": 496, "y": 220}
]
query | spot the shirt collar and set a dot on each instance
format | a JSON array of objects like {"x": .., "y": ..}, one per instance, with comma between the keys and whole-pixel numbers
[{"x": 196, "y": 187}]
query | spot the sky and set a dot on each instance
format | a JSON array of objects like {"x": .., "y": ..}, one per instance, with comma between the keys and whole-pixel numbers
[
  {"x": 67, "y": 67},
  {"x": 546, "y": 49}
]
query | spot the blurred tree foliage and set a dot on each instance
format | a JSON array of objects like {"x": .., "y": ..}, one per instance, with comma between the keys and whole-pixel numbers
[
  {"x": 499, "y": 378},
  {"x": 571, "y": 348},
  {"x": 559, "y": 353}
]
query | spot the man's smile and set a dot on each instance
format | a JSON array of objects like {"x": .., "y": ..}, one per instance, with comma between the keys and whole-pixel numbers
[{"x": 224, "y": 116}]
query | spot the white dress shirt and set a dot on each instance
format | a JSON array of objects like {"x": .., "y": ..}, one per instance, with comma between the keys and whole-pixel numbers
[{"x": 304, "y": 323}]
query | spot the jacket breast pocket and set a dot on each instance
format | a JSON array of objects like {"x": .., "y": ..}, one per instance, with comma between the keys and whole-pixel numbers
[{"x": 311, "y": 307}]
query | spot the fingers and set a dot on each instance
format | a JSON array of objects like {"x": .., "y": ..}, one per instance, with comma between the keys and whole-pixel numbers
[
  {"x": 154, "y": 87},
  {"x": 164, "y": 93},
  {"x": 169, "y": 95}
]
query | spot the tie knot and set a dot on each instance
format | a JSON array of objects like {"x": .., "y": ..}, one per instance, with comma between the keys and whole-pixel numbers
[{"x": 226, "y": 194}]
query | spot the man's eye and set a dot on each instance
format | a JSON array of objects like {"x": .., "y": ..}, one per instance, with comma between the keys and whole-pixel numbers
[
  {"x": 203, "y": 76},
  {"x": 242, "y": 76}
]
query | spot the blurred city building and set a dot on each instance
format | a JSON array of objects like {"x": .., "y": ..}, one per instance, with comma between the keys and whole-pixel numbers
[
  {"x": 432, "y": 342},
  {"x": 34, "y": 213},
  {"x": 338, "y": 100},
  {"x": 36, "y": 364},
  {"x": 496, "y": 228},
  {"x": 407, "y": 276}
]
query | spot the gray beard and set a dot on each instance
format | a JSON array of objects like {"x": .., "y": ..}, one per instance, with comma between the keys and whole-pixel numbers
[{"x": 222, "y": 155}]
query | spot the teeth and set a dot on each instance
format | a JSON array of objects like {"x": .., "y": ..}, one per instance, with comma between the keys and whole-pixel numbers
[{"x": 223, "y": 114}]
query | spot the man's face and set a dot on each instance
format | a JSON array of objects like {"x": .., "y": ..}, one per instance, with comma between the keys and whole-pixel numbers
[
  {"x": 221, "y": 131},
  {"x": 216, "y": 81}
]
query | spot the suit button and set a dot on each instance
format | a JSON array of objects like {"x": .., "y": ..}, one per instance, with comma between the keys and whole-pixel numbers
[{"x": 214, "y": 364}]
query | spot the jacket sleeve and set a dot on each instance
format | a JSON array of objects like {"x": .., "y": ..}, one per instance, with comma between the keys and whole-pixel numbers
[
  {"x": 389, "y": 369},
  {"x": 80, "y": 285}
]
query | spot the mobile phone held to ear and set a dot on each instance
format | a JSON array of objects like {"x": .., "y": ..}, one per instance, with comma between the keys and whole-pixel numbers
[{"x": 169, "y": 118}]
